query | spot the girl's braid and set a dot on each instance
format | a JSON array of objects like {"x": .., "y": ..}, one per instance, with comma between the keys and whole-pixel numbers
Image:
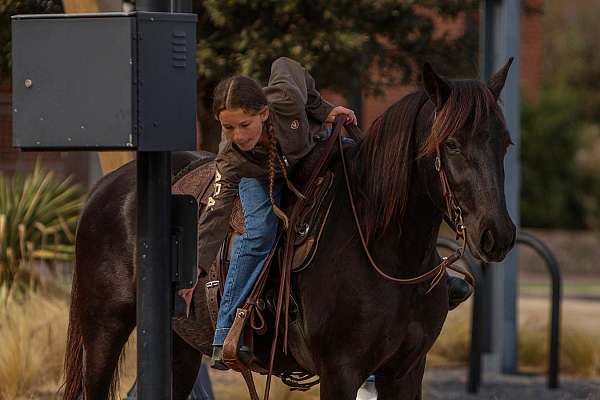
[
  {"x": 274, "y": 154},
  {"x": 271, "y": 172}
]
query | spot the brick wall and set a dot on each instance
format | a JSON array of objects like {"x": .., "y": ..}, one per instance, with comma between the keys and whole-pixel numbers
[
  {"x": 12, "y": 160},
  {"x": 530, "y": 53}
]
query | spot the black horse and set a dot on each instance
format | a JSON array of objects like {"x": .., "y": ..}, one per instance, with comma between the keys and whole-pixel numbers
[{"x": 355, "y": 322}]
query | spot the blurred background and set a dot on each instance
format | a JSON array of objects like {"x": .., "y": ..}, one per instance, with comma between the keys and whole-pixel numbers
[{"x": 365, "y": 55}]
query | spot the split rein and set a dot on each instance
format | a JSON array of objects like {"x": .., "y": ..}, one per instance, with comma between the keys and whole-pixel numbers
[{"x": 454, "y": 213}]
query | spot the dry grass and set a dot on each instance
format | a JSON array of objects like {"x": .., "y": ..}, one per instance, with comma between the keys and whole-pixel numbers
[
  {"x": 33, "y": 331},
  {"x": 580, "y": 343},
  {"x": 32, "y": 337}
]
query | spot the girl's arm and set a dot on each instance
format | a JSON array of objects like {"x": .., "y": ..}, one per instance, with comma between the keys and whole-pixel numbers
[{"x": 291, "y": 77}]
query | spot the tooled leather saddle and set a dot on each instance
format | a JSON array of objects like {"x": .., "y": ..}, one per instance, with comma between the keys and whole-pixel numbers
[
  {"x": 294, "y": 252},
  {"x": 197, "y": 181}
]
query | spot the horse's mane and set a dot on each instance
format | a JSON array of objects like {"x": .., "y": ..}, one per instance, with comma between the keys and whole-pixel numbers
[{"x": 384, "y": 160}]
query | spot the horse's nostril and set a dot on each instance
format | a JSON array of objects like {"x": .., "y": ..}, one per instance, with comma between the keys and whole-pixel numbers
[{"x": 487, "y": 241}]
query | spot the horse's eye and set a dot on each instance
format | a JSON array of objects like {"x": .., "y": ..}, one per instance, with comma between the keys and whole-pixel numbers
[{"x": 452, "y": 145}]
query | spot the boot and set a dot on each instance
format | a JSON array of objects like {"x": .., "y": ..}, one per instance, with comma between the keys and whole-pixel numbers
[
  {"x": 458, "y": 291},
  {"x": 216, "y": 361}
]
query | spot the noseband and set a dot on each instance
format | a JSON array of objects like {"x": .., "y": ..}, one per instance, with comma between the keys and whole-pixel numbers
[{"x": 454, "y": 213}]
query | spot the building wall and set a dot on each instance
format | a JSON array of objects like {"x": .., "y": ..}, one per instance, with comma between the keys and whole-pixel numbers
[
  {"x": 531, "y": 53},
  {"x": 12, "y": 160}
]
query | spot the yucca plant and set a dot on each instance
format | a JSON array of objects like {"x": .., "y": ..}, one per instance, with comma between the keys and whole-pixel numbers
[{"x": 38, "y": 218}]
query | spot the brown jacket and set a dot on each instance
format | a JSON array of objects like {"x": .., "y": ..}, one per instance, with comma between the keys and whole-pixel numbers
[{"x": 298, "y": 114}]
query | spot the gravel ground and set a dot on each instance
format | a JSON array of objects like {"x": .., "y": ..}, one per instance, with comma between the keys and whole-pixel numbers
[{"x": 444, "y": 384}]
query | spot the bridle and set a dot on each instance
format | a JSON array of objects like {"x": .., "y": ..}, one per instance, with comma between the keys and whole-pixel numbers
[{"x": 453, "y": 210}]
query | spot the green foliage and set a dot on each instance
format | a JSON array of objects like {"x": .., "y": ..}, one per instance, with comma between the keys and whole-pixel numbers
[
  {"x": 348, "y": 46},
  {"x": 551, "y": 131},
  {"x": 38, "y": 218},
  {"x": 560, "y": 132},
  {"x": 339, "y": 41},
  {"x": 13, "y": 7},
  {"x": 571, "y": 55}
]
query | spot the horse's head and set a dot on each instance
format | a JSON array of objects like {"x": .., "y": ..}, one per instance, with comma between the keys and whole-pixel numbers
[{"x": 468, "y": 133}]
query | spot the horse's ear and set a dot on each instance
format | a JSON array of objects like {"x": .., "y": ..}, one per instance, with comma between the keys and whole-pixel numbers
[
  {"x": 437, "y": 88},
  {"x": 496, "y": 82}
]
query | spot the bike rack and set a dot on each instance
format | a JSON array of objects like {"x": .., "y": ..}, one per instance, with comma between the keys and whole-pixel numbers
[
  {"x": 526, "y": 239},
  {"x": 474, "y": 380}
]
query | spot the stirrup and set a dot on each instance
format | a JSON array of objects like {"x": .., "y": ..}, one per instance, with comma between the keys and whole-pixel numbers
[{"x": 216, "y": 361}]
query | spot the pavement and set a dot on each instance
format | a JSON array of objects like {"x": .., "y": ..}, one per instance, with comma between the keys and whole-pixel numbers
[{"x": 450, "y": 384}]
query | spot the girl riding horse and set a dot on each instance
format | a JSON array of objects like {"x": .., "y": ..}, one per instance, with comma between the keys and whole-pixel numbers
[{"x": 265, "y": 133}]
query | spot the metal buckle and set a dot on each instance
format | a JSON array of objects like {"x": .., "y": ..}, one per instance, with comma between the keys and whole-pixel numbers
[
  {"x": 212, "y": 284},
  {"x": 303, "y": 229}
]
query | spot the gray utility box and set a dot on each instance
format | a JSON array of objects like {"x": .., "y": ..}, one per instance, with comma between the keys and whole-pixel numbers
[{"x": 104, "y": 81}]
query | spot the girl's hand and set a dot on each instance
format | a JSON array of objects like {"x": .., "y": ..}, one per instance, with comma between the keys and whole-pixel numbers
[{"x": 339, "y": 110}]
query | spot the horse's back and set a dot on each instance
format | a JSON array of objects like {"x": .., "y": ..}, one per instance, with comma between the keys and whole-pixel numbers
[{"x": 105, "y": 240}]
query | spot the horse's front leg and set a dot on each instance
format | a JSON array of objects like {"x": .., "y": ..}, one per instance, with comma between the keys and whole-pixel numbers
[
  {"x": 340, "y": 382},
  {"x": 406, "y": 387}
]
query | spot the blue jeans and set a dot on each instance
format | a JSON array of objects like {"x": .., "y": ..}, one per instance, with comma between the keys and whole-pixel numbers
[{"x": 250, "y": 250}]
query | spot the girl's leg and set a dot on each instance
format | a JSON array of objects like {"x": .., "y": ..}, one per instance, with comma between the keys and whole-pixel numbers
[{"x": 250, "y": 250}]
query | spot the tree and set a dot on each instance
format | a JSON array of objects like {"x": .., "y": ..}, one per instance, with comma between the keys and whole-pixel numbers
[
  {"x": 348, "y": 45},
  {"x": 561, "y": 132}
]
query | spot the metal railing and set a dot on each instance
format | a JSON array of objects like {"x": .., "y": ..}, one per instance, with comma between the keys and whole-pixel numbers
[
  {"x": 477, "y": 322},
  {"x": 527, "y": 239},
  {"x": 475, "y": 351}
]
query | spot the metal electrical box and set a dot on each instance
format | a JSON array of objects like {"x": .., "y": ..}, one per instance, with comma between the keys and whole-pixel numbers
[{"x": 104, "y": 81}]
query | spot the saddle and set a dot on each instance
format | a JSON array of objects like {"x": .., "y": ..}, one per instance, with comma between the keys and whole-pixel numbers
[{"x": 293, "y": 252}]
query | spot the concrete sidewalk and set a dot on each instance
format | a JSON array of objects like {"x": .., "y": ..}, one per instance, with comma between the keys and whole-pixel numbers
[{"x": 450, "y": 384}]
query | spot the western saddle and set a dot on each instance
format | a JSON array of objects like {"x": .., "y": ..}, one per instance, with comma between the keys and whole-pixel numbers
[{"x": 293, "y": 252}]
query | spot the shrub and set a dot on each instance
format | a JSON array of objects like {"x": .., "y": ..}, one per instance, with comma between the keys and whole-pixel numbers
[
  {"x": 555, "y": 189},
  {"x": 38, "y": 218}
]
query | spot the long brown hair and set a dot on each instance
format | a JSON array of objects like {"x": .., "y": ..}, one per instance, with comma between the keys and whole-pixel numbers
[
  {"x": 245, "y": 93},
  {"x": 384, "y": 161}
]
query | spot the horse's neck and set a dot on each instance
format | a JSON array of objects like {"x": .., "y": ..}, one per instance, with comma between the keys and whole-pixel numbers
[{"x": 411, "y": 243}]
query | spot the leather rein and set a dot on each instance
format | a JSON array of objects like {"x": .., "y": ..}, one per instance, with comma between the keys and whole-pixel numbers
[{"x": 454, "y": 213}]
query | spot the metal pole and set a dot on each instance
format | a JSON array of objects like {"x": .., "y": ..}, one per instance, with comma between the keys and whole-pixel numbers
[
  {"x": 499, "y": 40},
  {"x": 154, "y": 283},
  {"x": 153, "y": 5},
  {"x": 474, "y": 380},
  {"x": 508, "y": 44},
  {"x": 543, "y": 251},
  {"x": 154, "y": 275}
]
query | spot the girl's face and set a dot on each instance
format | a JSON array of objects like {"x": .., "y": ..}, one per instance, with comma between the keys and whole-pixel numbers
[{"x": 242, "y": 128}]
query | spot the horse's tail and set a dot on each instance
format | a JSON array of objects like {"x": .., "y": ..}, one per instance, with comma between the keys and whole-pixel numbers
[{"x": 73, "y": 384}]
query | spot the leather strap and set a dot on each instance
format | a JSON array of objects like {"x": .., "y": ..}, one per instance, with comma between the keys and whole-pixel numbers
[
  {"x": 435, "y": 274},
  {"x": 212, "y": 295},
  {"x": 230, "y": 349},
  {"x": 283, "y": 296}
]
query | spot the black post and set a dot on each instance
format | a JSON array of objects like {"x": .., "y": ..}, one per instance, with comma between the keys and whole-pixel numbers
[
  {"x": 486, "y": 68},
  {"x": 475, "y": 352},
  {"x": 154, "y": 275},
  {"x": 154, "y": 284}
]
